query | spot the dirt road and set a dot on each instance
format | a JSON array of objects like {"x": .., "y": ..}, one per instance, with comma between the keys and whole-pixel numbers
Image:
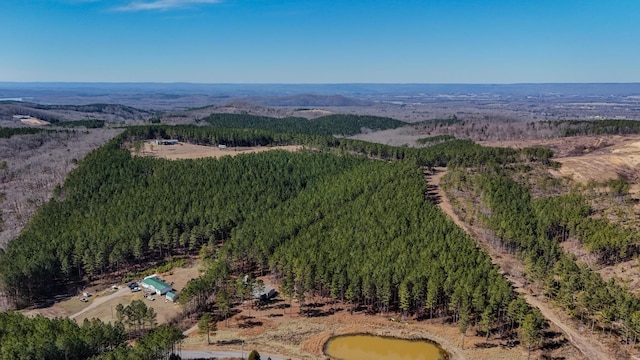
[
  {"x": 101, "y": 301},
  {"x": 589, "y": 347}
]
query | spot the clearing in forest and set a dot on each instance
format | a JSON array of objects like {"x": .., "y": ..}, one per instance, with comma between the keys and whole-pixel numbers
[
  {"x": 590, "y": 158},
  {"x": 191, "y": 151},
  {"x": 104, "y": 299}
]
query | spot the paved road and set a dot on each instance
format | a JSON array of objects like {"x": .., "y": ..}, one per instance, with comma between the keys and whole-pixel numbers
[
  {"x": 204, "y": 354},
  {"x": 587, "y": 346}
]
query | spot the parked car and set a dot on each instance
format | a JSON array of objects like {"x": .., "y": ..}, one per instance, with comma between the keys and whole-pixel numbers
[
  {"x": 135, "y": 289},
  {"x": 84, "y": 299},
  {"x": 150, "y": 298},
  {"x": 132, "y": 285}
]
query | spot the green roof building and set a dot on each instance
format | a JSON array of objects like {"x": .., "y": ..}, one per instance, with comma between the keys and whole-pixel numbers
[{"x": 153, "y": 283}]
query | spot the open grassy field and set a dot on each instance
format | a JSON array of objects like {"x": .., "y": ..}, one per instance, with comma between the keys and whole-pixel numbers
[{"x": 191, "y": 151}]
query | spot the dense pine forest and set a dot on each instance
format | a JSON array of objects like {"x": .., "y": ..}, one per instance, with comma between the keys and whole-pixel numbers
[
  {"x": 22, "y": 337},
  {"x": 337, "y": 124},
  {"x": 330, "y": 220},
  {"x": 6, "y": 132}
]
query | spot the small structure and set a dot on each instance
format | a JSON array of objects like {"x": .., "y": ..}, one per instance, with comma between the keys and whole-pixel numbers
[
  {"x": 167, "y": 142},
  {"x": 171, "y": 296},
  {"x": 154, "y": 284},
  {"x": 267, "y": 293}
]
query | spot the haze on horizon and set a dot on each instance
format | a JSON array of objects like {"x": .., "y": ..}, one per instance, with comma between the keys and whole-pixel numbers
[{"x": 378, "y": 41}]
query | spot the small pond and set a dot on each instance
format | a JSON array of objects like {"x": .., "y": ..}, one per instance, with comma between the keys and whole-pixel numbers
[{"x": 371, "y": 347}]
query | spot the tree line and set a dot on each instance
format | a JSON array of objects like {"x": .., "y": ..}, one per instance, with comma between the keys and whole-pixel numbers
[
  {"x": 88, "y": 123},
  {"x": 594, "y": 127},
  {"x": 7, "y": 132}
]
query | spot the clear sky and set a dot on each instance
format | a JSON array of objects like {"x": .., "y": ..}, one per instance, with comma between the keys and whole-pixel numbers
[{"x": 263, "y": 41}]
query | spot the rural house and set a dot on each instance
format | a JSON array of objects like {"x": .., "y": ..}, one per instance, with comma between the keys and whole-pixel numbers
[{"x": 267, "y": 293}]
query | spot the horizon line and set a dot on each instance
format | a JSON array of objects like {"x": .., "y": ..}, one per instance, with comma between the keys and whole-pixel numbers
[{"x": 314, "y": 83}]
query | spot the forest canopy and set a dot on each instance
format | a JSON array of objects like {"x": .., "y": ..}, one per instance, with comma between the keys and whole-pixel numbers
[{"x": 337, "y": 124}]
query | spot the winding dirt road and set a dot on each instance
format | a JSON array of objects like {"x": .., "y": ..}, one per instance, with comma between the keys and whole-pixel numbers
[{"x": 589, "y": 347}]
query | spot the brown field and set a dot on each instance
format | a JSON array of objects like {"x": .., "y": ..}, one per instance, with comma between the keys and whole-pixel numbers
[
  {"x": 590, "y": 158},
  {"x": 34, "y": 122},
  {"x": 190, "y": 151},
  {"x": 273, "y": 330}
]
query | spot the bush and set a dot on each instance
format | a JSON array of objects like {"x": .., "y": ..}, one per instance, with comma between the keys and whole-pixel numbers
[{"x": 254, "y": 355}]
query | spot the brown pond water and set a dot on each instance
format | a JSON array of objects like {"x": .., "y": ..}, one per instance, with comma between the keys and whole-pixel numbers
[{"x": 371, "y": 347}]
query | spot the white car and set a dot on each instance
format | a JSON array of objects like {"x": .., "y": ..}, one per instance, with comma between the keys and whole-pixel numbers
[{"x": 150, "y": 298}]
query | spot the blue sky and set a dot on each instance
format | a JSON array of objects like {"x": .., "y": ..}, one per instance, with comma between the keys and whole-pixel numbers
[{"x": 261, "y": 41}]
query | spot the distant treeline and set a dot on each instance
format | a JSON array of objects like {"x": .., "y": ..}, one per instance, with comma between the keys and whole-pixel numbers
[
  {"x": 434, "y": 139},
  {"x": 440, "y": 122},
  {"x": 338, "y": 124},
  {"x": 7, "y": 132},
  {"x": 91, "y": 108},
  {"x": 595, "y": 127},
  {"x": 88, "y": 123}
]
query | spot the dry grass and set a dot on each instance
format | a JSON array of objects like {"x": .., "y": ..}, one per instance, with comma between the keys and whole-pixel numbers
[
  {"x": 589, "y": 158},
  {"x": 34, "y": 122},
  {"x": 300, "y": 337},
  {"x": 277, "y": 329}
]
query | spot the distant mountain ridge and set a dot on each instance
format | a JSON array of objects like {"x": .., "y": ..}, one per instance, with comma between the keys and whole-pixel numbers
[
  {"x": 308, "y": 100},
  {"x": 16, "y": 90}
]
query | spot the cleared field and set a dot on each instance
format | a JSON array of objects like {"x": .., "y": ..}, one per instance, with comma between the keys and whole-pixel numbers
[
  {"x": 34, "y": 122},
  {"x": 102, "y": 303},
  {"x": 295, "y": 336},
  {"x": 589, "y": 158},
  {"x": 190, "y": 151}
]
